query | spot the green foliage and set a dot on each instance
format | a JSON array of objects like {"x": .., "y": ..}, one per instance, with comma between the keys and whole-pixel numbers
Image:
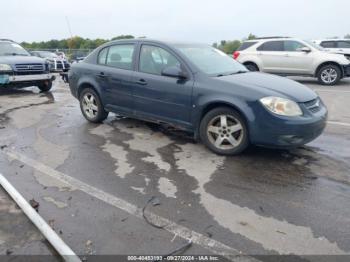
[
  {"x": 123, "y": 37},
  {"x": 75, "y": 42},
  {"x": 251, "y": 36},
  {"x": 230, "y": 46}
]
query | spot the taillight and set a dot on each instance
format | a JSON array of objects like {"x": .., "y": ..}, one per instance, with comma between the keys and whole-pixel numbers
[{"x": 235, "y": 54}]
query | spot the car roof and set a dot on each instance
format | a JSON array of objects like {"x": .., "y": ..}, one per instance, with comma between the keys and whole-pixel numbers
[
  {"x": 7, "y": 40},
  {"x": 332, "y": 40},
  {"x": 264, "y": 39},
  {"x": 157, "y": 41}
]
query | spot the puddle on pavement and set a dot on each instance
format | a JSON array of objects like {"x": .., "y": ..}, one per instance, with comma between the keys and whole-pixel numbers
[
  {"x": 166, "y": 187},
  {"x": 199, "y": 163},
  {"x": 57, "y": 203}
]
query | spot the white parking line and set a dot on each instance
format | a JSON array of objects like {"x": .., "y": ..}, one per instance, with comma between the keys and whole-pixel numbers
[
  {"x": 211, "y": 245},
  {"x": 338, "y": 123}
]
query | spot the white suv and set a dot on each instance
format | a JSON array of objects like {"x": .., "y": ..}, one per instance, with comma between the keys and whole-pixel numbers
[
  {"x": 291, "y": 56},
  {"x": 339, "y": 46}
]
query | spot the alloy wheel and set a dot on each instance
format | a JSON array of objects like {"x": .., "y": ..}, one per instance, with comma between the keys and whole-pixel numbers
[
  {"x": 225, "y": 132},
  {"x": 89, "y": 105},
  {"x": 329, "y": 75}
]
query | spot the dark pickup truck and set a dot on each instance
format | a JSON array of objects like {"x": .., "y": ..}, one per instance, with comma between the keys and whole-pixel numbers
[{"x": 19, "y": 69}]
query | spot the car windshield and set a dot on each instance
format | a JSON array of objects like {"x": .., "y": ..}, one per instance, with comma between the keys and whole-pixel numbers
[
  {"x": 211, "y": 60},
  {"x": 48, "y": 55},
  {"x": 9, "y": 48},
  {"x": 318, "y": 47}
]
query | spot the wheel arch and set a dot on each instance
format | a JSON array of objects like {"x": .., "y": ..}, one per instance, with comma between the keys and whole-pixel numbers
[
  {"x": 252, "y": 63},
  {"x": 239, "y": 107},
  {"x": 329, "y": 63}
]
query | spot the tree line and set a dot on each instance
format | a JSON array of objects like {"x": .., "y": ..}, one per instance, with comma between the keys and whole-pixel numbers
[{"x": 77, "y": 42}]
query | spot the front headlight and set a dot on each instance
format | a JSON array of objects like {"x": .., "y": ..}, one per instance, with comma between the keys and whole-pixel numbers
[
  {"x": 5, "y": 67},
  {"x": 281, "y": 106}
]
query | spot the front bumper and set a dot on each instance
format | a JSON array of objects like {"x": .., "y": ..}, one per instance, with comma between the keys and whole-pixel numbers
[
  {"x": 25, "y": 78},
  {"x": 278, "y": 131},
  {"x": 7, "y": 80},
  {"x": 346, "y": 70}
]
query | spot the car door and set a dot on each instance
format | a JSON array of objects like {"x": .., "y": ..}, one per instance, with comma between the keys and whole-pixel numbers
[
  {"x": 295, "y": 60},
  {"x": 160, "y": 97},
  {"x": 272, "y": 56},
  {"x": 343, "y": 47},
  {"x": 330, "y": 46},
  {"x": 114, "y": 77}
]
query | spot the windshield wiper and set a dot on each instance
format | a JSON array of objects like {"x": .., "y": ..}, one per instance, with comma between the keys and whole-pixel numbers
[{"x": 233, "y": 73}]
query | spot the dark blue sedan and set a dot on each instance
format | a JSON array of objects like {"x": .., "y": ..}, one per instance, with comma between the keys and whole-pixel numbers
[{"x": 199, "y": 89}]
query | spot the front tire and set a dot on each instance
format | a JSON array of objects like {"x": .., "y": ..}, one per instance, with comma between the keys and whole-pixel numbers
[
  {"x": 46, "y": 86},
  {"x": 223, "y": 130},
  {"x": 329, "y": 75},
  {"x": 91, "y": 106},
  {"x": 251, "y": 67}
]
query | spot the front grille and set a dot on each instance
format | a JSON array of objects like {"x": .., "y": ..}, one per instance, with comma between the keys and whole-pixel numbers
[
  {"x": 313, "y": 105},
  {"x": 29, "y": 68}
]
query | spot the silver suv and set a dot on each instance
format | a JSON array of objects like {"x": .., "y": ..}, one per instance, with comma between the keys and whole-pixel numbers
[{"x": 292, "y": 56}]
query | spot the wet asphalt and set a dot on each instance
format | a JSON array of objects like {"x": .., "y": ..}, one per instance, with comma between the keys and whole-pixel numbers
[{"x": 263, "y": 202}]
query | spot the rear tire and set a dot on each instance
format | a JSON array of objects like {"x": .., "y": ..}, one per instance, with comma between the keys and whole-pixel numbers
[
  {"x": 223, "y": 130},
  {"x": 91, "y": 106},
  {"x": 251, "y": 67},
  {"x": 329, "y": 75},
  {"x": 46, "y": 86}
]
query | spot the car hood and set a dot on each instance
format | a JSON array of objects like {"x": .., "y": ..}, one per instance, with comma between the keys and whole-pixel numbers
[
  {"x": 271, "y": 85},
  {"x": 334, "y": 56},
  {"x": 21, "y": 60}
]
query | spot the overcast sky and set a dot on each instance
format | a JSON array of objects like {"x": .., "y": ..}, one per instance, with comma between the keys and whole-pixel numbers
[{"x": 192, "y": 20}]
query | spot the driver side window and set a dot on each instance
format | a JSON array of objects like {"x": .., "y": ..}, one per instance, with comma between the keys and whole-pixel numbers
[
  {"x": 154, "y": 59},
  {"x": 292, "y": 46}
]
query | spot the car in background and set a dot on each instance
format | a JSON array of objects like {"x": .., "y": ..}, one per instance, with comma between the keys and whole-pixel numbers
[
  {"x": 56, "y": 63},
  {"x": 199, "y": 89},
  {"x": 339, "y": 46},
  {"x": 291, "y": 56},
  {"x": 78, "y": 59},
  {"x": 19, "y": 69},
  {"x": 60, "y": 54}
]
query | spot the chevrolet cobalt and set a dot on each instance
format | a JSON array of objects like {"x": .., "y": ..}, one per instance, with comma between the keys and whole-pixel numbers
[{"x": 199, "y": 89}]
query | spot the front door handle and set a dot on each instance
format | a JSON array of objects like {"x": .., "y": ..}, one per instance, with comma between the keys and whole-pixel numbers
[
  {"x": 101, "y": 74},
  {"x": 141, "y": 82}
]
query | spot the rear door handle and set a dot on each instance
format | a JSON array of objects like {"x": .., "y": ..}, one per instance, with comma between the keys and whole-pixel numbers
[{"x": 141, "y": 82}]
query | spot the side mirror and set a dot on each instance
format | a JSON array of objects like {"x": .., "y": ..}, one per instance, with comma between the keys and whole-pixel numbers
[
  {"x": 304, "y": 49},
  {"x": 174, "y": 71}
]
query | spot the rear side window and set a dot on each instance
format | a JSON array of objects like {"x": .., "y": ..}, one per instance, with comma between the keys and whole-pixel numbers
[
  {"x": 344, "y": 44},
  {"x": 102, "y": 56},
  {"x": 120, "y": 56},
  {"x": 328, "y": 44},
  {"x": 246, "y": 45},
  {"x": 271, "y": 46},
  {"x": 292, "y": 46}
]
